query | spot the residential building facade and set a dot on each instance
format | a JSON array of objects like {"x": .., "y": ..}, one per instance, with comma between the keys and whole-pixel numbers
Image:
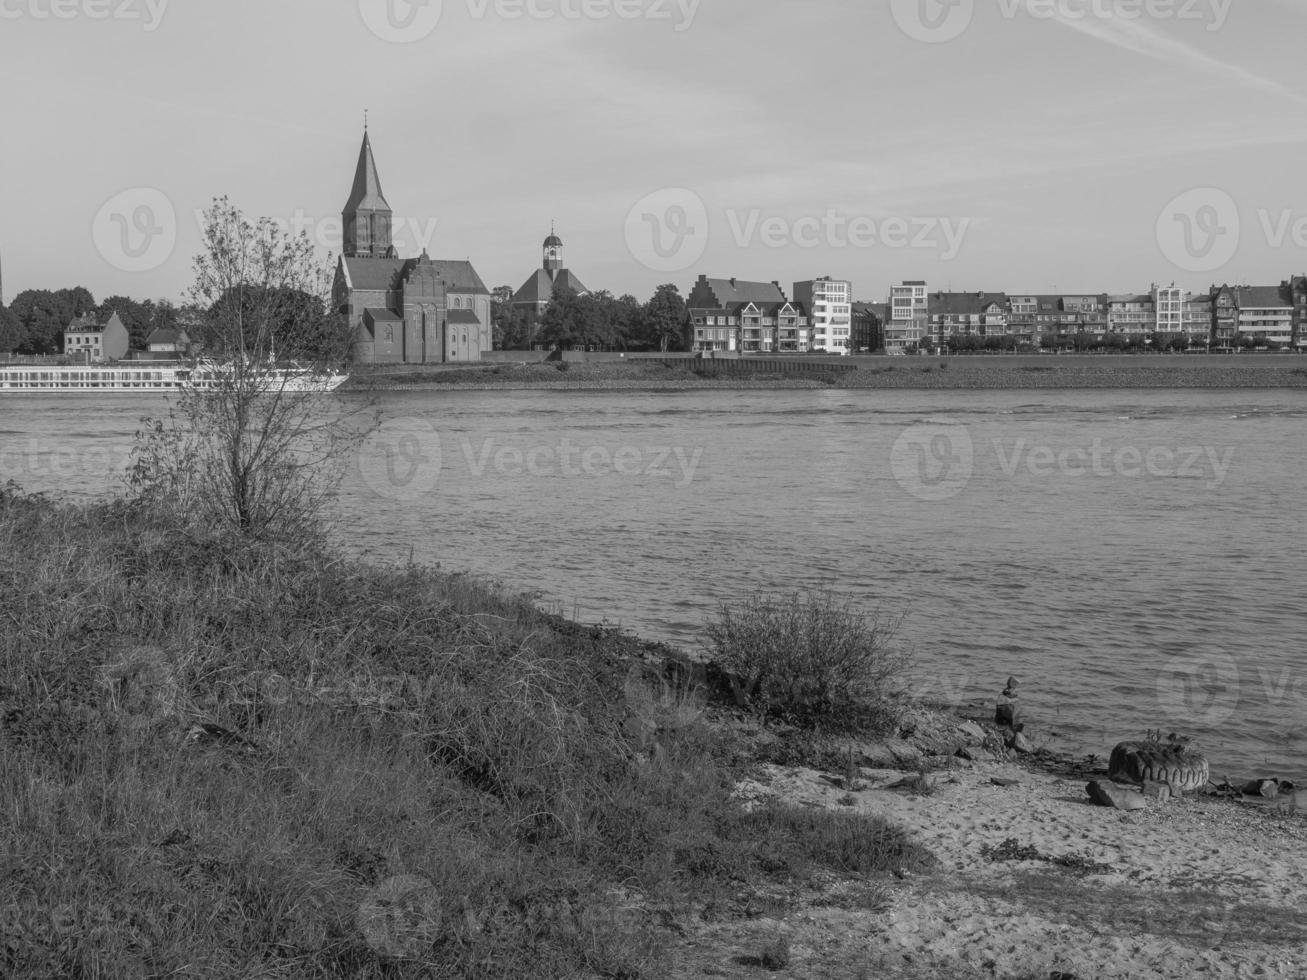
[
  {"x": 829, "y": 304},
  {"x": 1131, "y": 314},
  {"x": 734, "y": 315},
  {"x": 868, "y": 327},
  {"x": 957, "y": 315},
  {"x": 96, "y": 339},
  {"x": 1168, "y": 308},
  {"x": 909, "y": 319},
  {"x": 1297, "y": 291},
  {"x": 1197, "y": 325},
  {"x": 1225, "y": 318},
  {"x": 1265, "y": 316}
]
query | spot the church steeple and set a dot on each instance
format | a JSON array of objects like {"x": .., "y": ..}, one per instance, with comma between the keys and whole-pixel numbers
[
  {"x": 553, "y": 249},
  {"x": 367, "y": 216}
]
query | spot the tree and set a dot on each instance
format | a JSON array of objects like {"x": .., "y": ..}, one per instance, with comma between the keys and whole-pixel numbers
[
  {"x": 665, "y": 318},
  {"x": 246, "y": 453},
  {"x": 10, "y": 331},
  {"x": 44, "y": 314},
  {"x": 511, "y": 324}
]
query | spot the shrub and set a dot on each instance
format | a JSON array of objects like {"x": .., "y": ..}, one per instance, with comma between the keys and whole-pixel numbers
[{"x": 811, "y": 661}]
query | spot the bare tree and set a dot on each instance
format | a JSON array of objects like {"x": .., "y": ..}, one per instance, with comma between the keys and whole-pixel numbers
[{"x": 243, "y": 447}]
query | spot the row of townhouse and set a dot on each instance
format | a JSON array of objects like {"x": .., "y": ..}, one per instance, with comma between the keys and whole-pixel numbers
[
  {"x": 736, "y": 315},
  {"x": 1226, "y": 317}
]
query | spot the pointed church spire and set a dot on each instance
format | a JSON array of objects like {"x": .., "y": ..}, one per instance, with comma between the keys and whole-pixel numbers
[
  {"x": 367, "y": 216},
  {"x": 366, "y": 194}
]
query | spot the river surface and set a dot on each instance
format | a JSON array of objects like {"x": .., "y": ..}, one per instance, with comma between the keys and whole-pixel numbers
[{"x": 1136, "y": 558}]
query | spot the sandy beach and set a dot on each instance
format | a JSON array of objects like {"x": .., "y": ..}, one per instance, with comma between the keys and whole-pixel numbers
[{"x": 1034, "y": 881}]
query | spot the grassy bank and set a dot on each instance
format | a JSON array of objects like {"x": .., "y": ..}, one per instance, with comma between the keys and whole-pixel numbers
[
  {"x": 973, "y": 373},
  {"x": 229, "y": 759}
]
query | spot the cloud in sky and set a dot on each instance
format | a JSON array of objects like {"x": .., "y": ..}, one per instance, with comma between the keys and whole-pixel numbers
[{"x": 1133, "y": 33}]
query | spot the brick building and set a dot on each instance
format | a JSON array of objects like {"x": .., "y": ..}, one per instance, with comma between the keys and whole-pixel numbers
[{"x": 404, "y": 311}]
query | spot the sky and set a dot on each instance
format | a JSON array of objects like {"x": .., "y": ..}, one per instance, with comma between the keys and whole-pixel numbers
[{"x": 1024, "y": 146}]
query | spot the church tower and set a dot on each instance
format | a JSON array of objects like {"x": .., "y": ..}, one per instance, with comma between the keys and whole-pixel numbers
[
  {"x": 553, "y": 254},
  {"x": 367, "y": 216}
]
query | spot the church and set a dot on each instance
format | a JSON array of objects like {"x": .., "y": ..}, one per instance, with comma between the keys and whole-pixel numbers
[
  {"x": 403, "y": 311},
  {"x": 535, "y": 294}
]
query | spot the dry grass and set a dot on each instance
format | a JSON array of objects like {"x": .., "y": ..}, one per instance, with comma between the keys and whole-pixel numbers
[{"x": 423, "y": 777}]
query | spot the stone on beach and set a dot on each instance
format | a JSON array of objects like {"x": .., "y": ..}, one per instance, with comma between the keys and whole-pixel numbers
[
  {"x": 1106, "y": 793},
  {"x": 1007, "y": 713},
  {"x": 1183, "y": 769}
]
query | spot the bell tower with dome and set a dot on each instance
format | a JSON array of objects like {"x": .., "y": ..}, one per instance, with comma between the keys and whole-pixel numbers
[
  {"x": 553, "y": 253},
  {"x": 537, "y": 291}
]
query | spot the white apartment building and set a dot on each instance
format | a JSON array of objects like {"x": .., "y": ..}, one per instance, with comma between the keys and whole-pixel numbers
[
  {"x": 1169, "y": 308},
  {"x": 829, "y": 304},
  {"x": 909, "y": 316}
]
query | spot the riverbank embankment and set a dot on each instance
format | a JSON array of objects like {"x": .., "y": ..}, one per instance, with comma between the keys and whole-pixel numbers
[{"x": 592, "y": 372}]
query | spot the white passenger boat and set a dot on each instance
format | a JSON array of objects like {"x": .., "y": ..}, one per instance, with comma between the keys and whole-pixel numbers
[{"x": 155, "y": 377}]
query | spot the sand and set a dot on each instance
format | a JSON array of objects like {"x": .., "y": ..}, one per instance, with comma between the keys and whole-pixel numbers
[{"x": 1195, "y": 887}]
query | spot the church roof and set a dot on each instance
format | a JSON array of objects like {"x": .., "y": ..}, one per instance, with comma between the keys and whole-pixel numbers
[
  {"x": 553, "y": 241},
  {"x": 377, "y": 275},
  {"x": 462, "y": 316},
  {"x": 383, "y": 316},
  {"x": 540, "y": 288},
  {"x": 366, "y": 194}
]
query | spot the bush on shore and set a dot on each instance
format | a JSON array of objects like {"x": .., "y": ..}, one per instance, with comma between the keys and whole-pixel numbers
[
  {"x": 812, "y": 661},
  {"x": 226, "y": 757}
]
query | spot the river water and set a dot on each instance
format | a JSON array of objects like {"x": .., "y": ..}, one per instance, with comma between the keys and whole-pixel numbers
[{"x": 1136, "y": 558}]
